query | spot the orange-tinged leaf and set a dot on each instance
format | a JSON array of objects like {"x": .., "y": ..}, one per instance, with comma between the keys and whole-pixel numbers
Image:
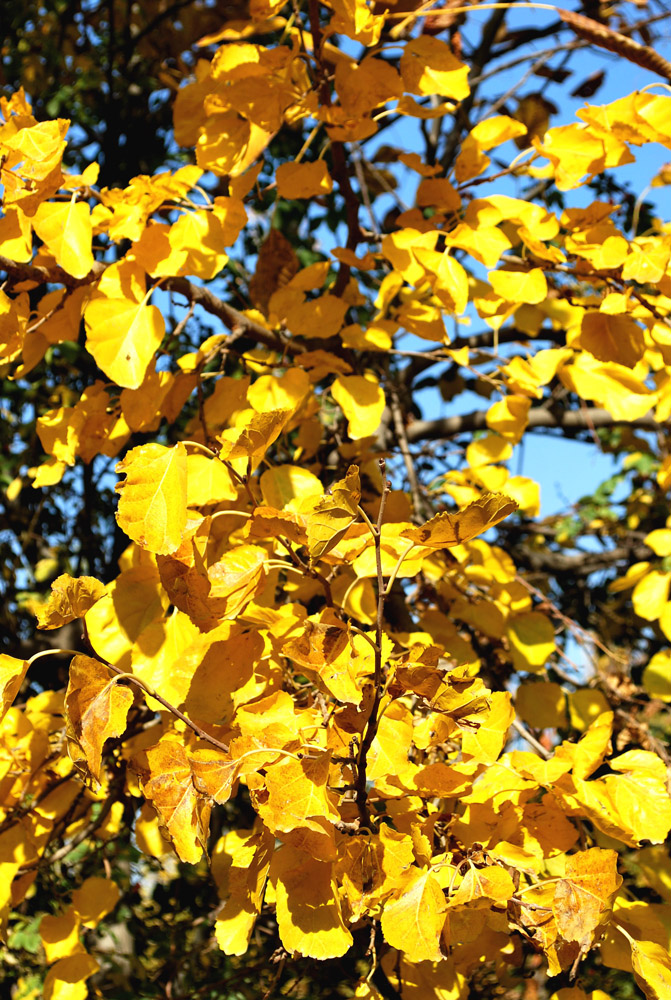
[
  {"x": 615, "y": 338},
  {"x": 445, "y": 530},
  {"x": 66, "y": 230},
  {"x": 60, "y": 935},
  {"x": 122, "y": 336},
  {"x": 303, "y": 180},
  {"x": 307, "y": 904},
  {"x": 152, "y": 504},
  {"x": 221, "y": 591},
  {"x": 94, "y": 899},
  {"x": 96, "y": 708},
  {"x": 590, "y": 881},
  {"x": 168, "y": 784},
  {"x": 70, "y": 598},
  {"x": 12, "y": 672},
  {"x": 428, "y": 66},
  {"x": 66, "y": 980},
  {"x": 414, "y": 920}
]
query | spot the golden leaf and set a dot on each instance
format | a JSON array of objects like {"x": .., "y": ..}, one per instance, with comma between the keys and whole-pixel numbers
[
  {"x": 70, "y": 598},
  {"x": 96, "y": 708},
  {"x": 65, "y": 228},
  {"x": 652, "y": 968},
  {"x": 94, "y": 899},
  {"x": 413, "y": 922},
  {"x": 168, "y": 784},
  {"x": 66, "y": 980},
  {"x": 584, "y": 893},
  {"x": 152, "y": 504},
  {"x": 12, "y": 672},
  {"x": 445, "y": 530},
  {"x": 122, "y": 336},
  {"x": 240, "y": 863},
  {"x": 303, "y": 180},
  {"x": 308, "y": 907}
]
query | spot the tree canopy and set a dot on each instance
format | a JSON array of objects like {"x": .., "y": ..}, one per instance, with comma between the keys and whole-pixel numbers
[{"x": 300, "y": 694}]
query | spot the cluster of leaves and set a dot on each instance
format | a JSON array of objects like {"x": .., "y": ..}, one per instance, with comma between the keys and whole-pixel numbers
[{"x": 280, "y": 721}]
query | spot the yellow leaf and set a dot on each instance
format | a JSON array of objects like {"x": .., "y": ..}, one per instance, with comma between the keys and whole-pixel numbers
[
  {"x": 520, "y": 286},
  {"x": 60, "y": 935},
  {"x": 95, "y": 898},
  {"x": 492, "y": 883},
  {"x": 66, "y": 230},
  {"x": 586, "y": 705},
  {"x": 542, "y": 704},
  {"x": 657, "y": 676},
  {"x": 303, "y": 180},
  {"x": 652, "y": 968},
  {"x": 308, "y": 907},
  {"x": 486, "y": 735},
  {"x": 12, "y": 672},
  {"x": 66, "y": 980},
  {"x": 96, "y": 708},
  {"x": 70, "y": 598},
  {"x": 428, "y": 66},
  {"x": 574, "y": 151},
  {"x": 584, "y": 893},
  {"x": 509, "y": 417},
  {"x": 240, "y": 863},
  {"x": 659, "y": 541},
  {"x": 199, "y": 237},
  {"x": 148, "y": 834},
  {"x": 131, "y": 602},
  {"x": 446, "y": 529},
  {"x": 532, "y": 640},
  {"x": 122, "y": 336},
  {"x": 494, "y": 131},
  {"x": 168, "y": 785},
  {"x": 414, "y": 920},
  {"x": 651, "y": 595},
  {"x": 362, "y": 401},
  {"x": 612, "y": 338},
  {"x": 152, "y": 504}
]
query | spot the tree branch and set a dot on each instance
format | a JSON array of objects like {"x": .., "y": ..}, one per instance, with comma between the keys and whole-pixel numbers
[{"x": 571, "y": 421}]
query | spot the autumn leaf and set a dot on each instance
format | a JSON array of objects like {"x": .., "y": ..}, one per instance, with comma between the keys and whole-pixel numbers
[
  {"x": 66, "y": 230},
  {"x": 414, "y": 920},
  {"x": 96, "y": 709},
  {"x": 122, "y": 336},
  {"x": 583, "y": 894},
  {"x": 12, "y": 673},
  {"x": 152, "y": 504},
  {"x": 446, "y": 529},
  {"x": 309, "y": 914},
  {"x": 70, "y": 598},
  {"x": 168, "y": 785}
]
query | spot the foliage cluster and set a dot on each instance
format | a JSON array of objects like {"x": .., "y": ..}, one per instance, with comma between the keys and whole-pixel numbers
[{"x": 294, "y": 708}]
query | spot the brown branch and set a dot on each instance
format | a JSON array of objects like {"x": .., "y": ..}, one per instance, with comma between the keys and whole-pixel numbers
[
  {"x": 603, "y": 36},
  {"x": 571, "y": 421},
  {"x": 373, "y": 721},
  {"x": 418, "y": 503},
  {"x": 195, "y": 294},
  {"x": 51, "y": 275}
]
